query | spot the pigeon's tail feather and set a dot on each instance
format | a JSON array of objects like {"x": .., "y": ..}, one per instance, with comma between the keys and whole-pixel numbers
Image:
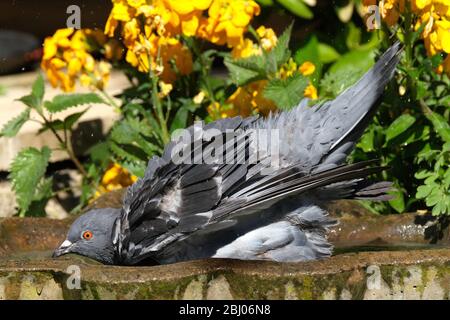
[
  {"x": 355, "y": 107},
  {"x": 357, "y": 189}
]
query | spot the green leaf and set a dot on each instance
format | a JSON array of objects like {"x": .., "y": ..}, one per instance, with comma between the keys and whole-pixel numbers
[
  {"x": 297, "y": 7},
  {"x": 265, "y": 3},
  {"x": 135, "y": 168},
  {"x": 440, "y": 124},
  {"x": 327, "y": 53},
  {"x": 44, "y": 192},
  {"x": 27, "y": 170},
  {"x": 69, "y": 121},
  {"x": 367, "y": 141},
  {"x": 66, "y": 101},
  {"x": 423, "y": 174},
  {"x": 99, "y": 153},
  {"x": 353, "y": 37},
  {"x": 286, "y": 93},
  {"x": 128, "y": 152},
  {"x": 34, "y": 99},
  {"x": 180, "y": 119},
  {"x": 423, "y": 191},
  {"x": 422, "y": 89},
  {"x": 55, "y": 125},
  {"x": 12, "y": 127},
  {"x": 346, "y": 71},
  {"x": 243, "y": 71},
  {"x": 131, "y": 132},
  {"x": 398, "y": 203},
  {"x": 38, "y": 89},
  {"x": 399, "y": 126},
  {"x": 435, "y": 196},
  {"x": 280, "y": 54}
]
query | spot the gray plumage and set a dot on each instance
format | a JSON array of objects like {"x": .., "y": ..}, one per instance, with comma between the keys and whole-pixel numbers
[{"x": 187, "y": 211}]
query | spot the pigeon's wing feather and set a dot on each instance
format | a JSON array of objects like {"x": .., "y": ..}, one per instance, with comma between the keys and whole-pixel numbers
[
  {"x": 172, "y": 195},
  {"x": 252, "y": 202},
  {"x": 322, "y": 136}
]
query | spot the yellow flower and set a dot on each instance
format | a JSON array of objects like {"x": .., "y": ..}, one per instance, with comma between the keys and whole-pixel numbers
[
  {"x": 267, "y": 37},
  {"x": 66, "y": 59},
  {"x": 250, "y": 99},
  {"x": 433, "y": 15},
  {"x": 310, "y": 92},
  {"x": 114, "y": 178},
  {"x": 307, "y": 68},
  {"x": 198, "y": 99},
  {"x": 165, "y": 89},
  {"x": 227, "y": 21},
  {"x": 287, "y": 70},
  {"x": 445, "y": 66},
  {"x": 245, "y": 49}
]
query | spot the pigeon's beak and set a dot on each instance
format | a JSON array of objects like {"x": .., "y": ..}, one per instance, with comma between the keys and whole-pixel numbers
[{"x": 63, "y": 249}]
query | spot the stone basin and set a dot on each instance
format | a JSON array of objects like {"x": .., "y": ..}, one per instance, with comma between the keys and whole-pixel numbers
[{"x": 377, "y": 257}]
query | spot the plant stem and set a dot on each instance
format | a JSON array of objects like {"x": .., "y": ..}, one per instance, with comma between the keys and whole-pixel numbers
[
  {"x": 66, "y": 145},
  {"x": 158, "y": 107},
  {"x": 110, "y": 100}
]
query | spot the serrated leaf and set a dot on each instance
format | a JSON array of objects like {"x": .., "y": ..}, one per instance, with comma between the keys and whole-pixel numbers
[
  {"x": 128, "y": 152},
  {"x": 240, "y": 73},
  {"x": 34, "y": 99},
  {"x": 27, "y": 170},
  {"x": 400, "y": 125},
  {"x": 100, "y": 153},
  {"x": 280, "y": 54},
  {"x": 43, "y": 194},
  {"x": 66, "y": 101},
  {"x": 286, "y": 93},
  {"x": 12, "y": 127}
]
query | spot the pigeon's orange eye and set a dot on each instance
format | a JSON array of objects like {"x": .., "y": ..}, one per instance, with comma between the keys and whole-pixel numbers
[{"x": 87, "y": 235}]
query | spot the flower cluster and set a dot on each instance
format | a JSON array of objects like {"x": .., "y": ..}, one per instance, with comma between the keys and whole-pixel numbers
[
  {"x": 433, "y": 16},
  {"x": 249, "y": 99},
  {"x": 151, "y": 30},
  {"x": 67, "y": 58}
]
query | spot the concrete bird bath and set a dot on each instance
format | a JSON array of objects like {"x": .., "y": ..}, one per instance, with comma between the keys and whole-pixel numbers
[{"x": 377, "y": 257}]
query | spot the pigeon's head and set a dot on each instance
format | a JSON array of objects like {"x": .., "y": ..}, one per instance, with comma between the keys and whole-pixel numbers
[{"x": 91, "y": 236}]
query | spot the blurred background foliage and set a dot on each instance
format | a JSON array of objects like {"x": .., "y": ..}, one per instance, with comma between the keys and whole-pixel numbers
[{"x": 209, "y": 59}]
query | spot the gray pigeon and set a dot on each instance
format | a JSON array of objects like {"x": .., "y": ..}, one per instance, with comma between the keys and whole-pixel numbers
[{"x": 249, "y": 210}]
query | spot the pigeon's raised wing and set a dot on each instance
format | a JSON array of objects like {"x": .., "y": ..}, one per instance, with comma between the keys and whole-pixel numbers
[
  {"x": 173, "y": 195},
  {"x": 173, "y": 201},
  {"x": 321, "y": 137}
]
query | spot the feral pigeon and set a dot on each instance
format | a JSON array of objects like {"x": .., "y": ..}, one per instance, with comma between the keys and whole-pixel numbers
[{"x": 242, "y": 209}]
